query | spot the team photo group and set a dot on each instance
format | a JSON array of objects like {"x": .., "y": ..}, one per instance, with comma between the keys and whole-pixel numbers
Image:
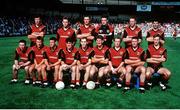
[{"x": 99, "y": 59}]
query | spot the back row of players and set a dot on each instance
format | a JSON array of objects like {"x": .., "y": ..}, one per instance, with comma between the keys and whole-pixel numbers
[{"x": 99, "y": 63}]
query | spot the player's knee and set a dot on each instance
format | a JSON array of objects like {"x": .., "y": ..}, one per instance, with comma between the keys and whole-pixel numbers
[
  {"x": 14, "y": 67},
  {"x": 128, "y": 69}
]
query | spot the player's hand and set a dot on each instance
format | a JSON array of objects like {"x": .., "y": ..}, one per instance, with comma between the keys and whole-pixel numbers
[
  {"x": 17, "y": 67},
  {"x": 113, "y": 70}
]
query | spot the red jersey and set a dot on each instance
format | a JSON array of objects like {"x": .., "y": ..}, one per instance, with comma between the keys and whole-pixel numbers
[
  {"x": 52, "y": 55},
  {"x": 69, "y": 57},
  {"x": 84, "y": 55},
  {"x": 34, "y": 28},
  {"x": 152, "y": 32},
  {"x": 39, "y": 53},
  {"x": 23, "y": 55},
  {"x": 152, "y": 52},
  {"x": 133, "y": 33},
  {"x": 135, "y": 54},
  {"x": 70, "y": 33},
  {"x": 116, "y": 56},
  {"x": 84, "y": 30},
  {"x": 100, "y": 53}
]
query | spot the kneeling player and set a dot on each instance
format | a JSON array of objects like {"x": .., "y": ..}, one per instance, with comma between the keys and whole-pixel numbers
[
  {"x": 99, "y": 61},
  {"x": 69, "y": 57},
  {"x": 52, "y": 60},
  {"x": 135, "y": 64},
  {"x": 116, "y": 57},
  {"x": 22, "y": 53},
  {"x": 39, "y": 61},
  {"x": 156, "y": 55},
  {"x": 84, "y": 63}
]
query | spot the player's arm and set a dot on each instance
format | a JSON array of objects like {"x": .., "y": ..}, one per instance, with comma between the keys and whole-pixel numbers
[
  {"x": 59, "y": 60},
  {"x": 142, "y": 60},
  {"x": 140, "y": 36},
  {"x": 89, "y": 60},
  {"x": 62, "y": 56},
  {"x": 105, "y": 60},
  {"x": 149, "y": 38},
  {"x": 16, "y": 59},
  {"x": 149, "y": 59},
  {"x": 125, "y": 37}
]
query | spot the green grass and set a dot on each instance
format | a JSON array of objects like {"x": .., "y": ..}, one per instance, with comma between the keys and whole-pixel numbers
[{"x": 21, "y": 96}]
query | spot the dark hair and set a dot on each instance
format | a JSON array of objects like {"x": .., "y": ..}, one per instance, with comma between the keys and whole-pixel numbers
[
  {"x": 157, "y": 35},
  {"x": 40, "y": 38},
  {"x": 99, "y": 37},
  {"x": 22, "y": 41},
  {"x": 53, "y": 38},
  {"x": 65, "y": 18},
  {"x": 135, "y": 38},
  {"x": 69, "y": 40},
  {"x": 83, "y": 38},
  {"x": 104, "y": 16},
  {"x": 117, "y": 38}
]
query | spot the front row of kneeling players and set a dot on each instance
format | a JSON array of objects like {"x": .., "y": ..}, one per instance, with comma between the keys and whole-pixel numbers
[{"x": 99, "y": 63}]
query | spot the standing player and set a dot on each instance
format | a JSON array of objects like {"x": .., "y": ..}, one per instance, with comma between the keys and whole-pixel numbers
[
  {"x": 135, "y": 59},
  {"x": 69, "y": 57},
  {"x": 155, "y": 30},
  {"x": 105, "y": 30},
  {"x": 156, "y": 55},
  {"x": 65, "y": 32},
  {"x": 131, "y": 31},
  {"x": 99, "y": 60},
  {"x": 22, "y": 53},
  {"x": 52, "y": 60},
  {"x": 87, "y": 31},
  {"x": 35, "y": 30},
  {"x": 84, "y": 62},
  {"x": 38, "y": 56},
  {"x": 116, "y": 56}
]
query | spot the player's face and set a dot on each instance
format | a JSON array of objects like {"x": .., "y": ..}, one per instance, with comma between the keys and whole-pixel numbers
[
  {"x": 156, "y": 41},
  {"x": 69, "y": 45},
  {"x": 37, "y": 21},
  {"x": 65, "y": 23},
  {"x": 132, "y": 22},
  {"x": 99, "y": 42},
  {"x": 104, "y": 21},
  {"x": 21, "y": 45},
  {"x": 86, "y": 20},
  {"x": 52, "y": 43},
  {"x": 83, "y": 42},
  {"x": 38, "y": 43},
  {"x": 134, "y": 43},
  {"x": 155, "y": 25},
  {"x": 117, "y": 42}
]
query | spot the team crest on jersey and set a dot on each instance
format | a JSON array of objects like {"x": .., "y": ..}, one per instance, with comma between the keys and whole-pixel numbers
[
  {"x": 121, "y": 53},
  {"x": 90, "y": 29},
  {"x": 108, "y": 31},
  {"x": 136, "y": 32},
  {"x": 138, "y": 53},
  {"x": 100, "y": 31},
  {"x": 87, "y": 53},
  {"x": 161, "y": 52},
  {"x": 73, "y": 54},
  {"x": 69, "y": 33}
]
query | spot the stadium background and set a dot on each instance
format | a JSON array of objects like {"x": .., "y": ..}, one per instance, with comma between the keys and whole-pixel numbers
[{"x": 16, "y": 15}]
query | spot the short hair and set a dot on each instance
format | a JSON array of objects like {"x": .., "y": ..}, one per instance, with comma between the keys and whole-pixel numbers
[
  {"x": 135, "y": 38},
  {"x": 99, "y": 37},
  {"x": 69, "y": 40},
  {"x": 157, "y": 35},
  {"x": 104, "y": 16},
  {"x": 65, "y": 17},
  {"x": 117, "y": 38},
  {"x": 40, "y": 38},
  {"x": 22, "y": 41},
  {"x": 53, "y": 38},
  {"x": 132, "y": 18}
]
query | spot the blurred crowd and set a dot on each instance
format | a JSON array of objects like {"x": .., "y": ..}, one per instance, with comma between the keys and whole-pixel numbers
[{"x": 15, "y": 26}]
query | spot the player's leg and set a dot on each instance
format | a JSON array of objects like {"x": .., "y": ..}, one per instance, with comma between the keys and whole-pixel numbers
[
  {"x": 78, "y": 75},
  {"x": 100, "y": 75},
  {"x": 73, "y": 76},
  {"x": 142, "y": 71},
  {"x": 56, "y": 73},
  {"x": 92, "y": 72},
  {"x": 60, "y": 74},
  {"x": 149, "y": 72},
  {"x": 165, "y": 75},
  {"x": 32, "y": 73},
  {"x": 107, "y": 75},
  {"x": 121, "y": 72},
  {"x": 27, "y": 79},
  {"x": 129, "y": 70},
  {"x": 39, "y": 81},
  {"x": 44, "y": 75},
  {"x": 14, "y": 74},
  {"x": 86, "y": 75}
]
